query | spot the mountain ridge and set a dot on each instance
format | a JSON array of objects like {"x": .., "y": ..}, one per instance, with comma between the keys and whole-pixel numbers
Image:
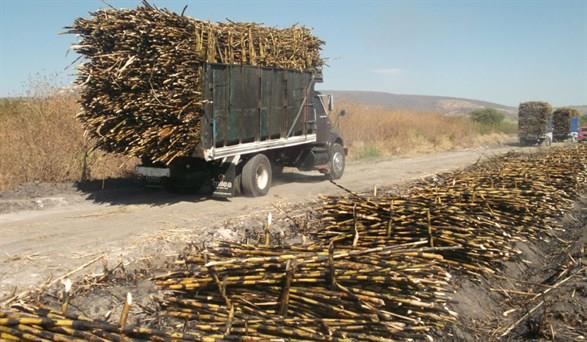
[{"x": 426, "y": 103}]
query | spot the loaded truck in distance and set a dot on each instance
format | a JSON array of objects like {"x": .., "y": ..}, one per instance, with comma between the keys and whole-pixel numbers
[
  {"x": 539, "y": 124},
  {"x": 535, "y": 123},
  {"x": 565, "y": 124},
  {"x": 256, "y": 120}
]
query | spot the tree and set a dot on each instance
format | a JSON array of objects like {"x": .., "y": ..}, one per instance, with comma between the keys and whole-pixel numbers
[{"x": 487, "y": 116}]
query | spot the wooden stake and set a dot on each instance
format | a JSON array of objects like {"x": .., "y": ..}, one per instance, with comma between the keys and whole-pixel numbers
[
  {"x": 332, "y": 271},
  {"x": 229, "y": 321},
  {"x": 125, "y": 310},
  {"x": 390, "y": 222},
  {"x": 430, "y": 228},
  {"x": 290, "y": 269}
]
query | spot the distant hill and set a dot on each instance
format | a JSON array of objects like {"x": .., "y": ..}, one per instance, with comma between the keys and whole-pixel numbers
[
  {"x": 423, "y": 103},
  {"x": 581, "y": 109}
]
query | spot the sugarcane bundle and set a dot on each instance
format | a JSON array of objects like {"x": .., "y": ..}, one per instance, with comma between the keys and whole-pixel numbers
[
  {"x": 534, "y": 119},
  {"x": 483, "y": 209},
  {"x": 321, "y": 293},
  {"x": 561, "y": 122},
  {"x": 141, "y": 83},
  {"x": 34, "y": 323}
]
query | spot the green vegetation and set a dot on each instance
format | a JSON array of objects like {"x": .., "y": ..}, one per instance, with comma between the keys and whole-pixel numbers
[
  {"x": 487, "y": 116},
  {"x": 583, "y": 120},
  {"x": 491, "y": 120}
]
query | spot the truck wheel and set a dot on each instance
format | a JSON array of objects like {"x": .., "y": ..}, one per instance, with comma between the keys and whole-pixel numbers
[
  {"x": 337, "y": 160},
  {"x": 256, "y": 176}
]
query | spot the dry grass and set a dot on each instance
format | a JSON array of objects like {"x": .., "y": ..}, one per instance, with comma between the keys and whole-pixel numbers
[
  {"x": 371, "y": 131},
  {"x": 42, "y": 141}
]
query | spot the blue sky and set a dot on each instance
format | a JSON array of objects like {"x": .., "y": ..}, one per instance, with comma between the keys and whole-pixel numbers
[{"x": 505, "y": 51}]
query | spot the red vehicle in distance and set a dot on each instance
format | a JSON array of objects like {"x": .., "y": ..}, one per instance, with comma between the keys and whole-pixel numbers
[{"x": 582, "y": 136}]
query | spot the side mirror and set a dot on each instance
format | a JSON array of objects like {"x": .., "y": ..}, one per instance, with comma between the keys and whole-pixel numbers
[{"x": 330, "y": 103}]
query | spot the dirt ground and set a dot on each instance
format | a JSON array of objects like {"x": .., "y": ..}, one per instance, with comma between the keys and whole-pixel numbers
[
  {"x": 47, "y": 231},
  {"x": 542, "y": 295}
]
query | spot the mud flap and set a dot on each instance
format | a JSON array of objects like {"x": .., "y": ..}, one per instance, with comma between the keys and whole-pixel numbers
[{"x": 225, "y": 182}]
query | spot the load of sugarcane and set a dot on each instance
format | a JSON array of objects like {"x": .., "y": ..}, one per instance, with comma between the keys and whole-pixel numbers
[
  {"x": 483, "y": 209},
  {"x": 561, "y": 122},
  {"x": 141, "y": 80},
  {"x": 534, "y": 119},
  {"x": 321, "y": 293}
]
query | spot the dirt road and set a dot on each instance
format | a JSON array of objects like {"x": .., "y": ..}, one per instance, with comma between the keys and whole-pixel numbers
[{"x": 127, "y": 223}]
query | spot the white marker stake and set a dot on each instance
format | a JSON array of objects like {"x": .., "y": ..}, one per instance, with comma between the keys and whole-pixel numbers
[{"x": 67, "y": 283}]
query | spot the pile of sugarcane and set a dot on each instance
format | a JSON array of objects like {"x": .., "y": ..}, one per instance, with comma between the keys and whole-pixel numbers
[
  {"x": 311, "y": 292},
  {"x": 33, "y": 323},
  {"x": 561, "y": 122},
  {"x": 534, "y": 119},
  {"x": 376, "y": 271},
  {"x": 141, "y": 81},
  {"x": 483, "y": 209}
]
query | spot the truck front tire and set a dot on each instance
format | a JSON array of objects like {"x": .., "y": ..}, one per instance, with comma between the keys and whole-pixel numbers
[
  {"x": 256, "y": 176},
  {"x": 337, "y": 161}
]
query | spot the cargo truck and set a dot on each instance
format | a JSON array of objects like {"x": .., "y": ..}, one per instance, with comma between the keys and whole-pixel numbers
[
  {"x": 535, "y": 125},
  {"x": 574, "y": 131},
  {"x": 565, "y": 123},
  {"x": 256, "y": 120}
]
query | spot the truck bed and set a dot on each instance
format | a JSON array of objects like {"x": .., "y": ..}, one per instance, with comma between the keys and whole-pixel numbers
[{"x": 249, "y": 109}]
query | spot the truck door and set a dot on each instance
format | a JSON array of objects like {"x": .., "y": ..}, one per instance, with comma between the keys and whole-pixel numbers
[{"x": 323, "y": 125}]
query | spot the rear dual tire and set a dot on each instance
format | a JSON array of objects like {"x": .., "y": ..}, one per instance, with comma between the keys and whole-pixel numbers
[{"x": 256, "y": 176}]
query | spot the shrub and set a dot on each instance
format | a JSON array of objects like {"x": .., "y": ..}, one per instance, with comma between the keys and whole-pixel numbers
[{"x": 487, "y": 116}]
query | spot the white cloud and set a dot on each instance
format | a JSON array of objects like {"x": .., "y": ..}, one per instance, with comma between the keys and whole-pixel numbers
[{"x": 387, "y": 71}]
